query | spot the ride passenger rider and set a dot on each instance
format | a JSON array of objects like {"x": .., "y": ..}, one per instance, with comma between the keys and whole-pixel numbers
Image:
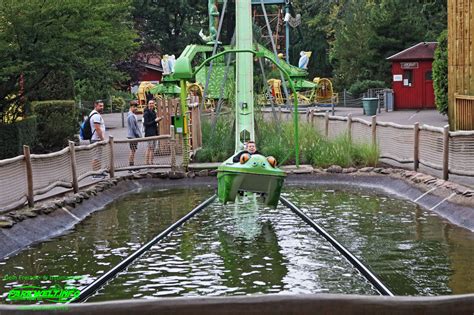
[{"x": 251, "y": 148}]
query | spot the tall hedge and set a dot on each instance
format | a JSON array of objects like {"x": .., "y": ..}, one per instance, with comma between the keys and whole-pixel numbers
[
  {"x": 14, "y": 136},
  {"x": 56, "y": 123},
  {"x": 440, "y": 73}
]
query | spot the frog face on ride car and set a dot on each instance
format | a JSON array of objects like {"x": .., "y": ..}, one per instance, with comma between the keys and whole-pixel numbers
[{"x": 257, "y": 161}]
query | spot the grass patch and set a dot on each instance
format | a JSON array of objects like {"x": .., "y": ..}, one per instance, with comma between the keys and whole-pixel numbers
[{"x": 277, "y": 140}]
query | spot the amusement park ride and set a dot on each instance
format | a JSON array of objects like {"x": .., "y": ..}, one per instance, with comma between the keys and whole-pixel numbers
[{"x": 255, "y": 173}]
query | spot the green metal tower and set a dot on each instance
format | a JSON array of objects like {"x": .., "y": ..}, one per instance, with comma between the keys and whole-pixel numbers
[{"x": 244, "y": 75}]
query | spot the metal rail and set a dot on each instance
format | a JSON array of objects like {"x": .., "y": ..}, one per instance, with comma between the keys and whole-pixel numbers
[
  {"x": 98, "y": 283},
  {"x": 372, "y": 278}
]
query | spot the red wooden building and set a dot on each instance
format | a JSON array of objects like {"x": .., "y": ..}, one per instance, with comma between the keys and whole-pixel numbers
[
  {"x": 150, "y": 72},
  {"x": 412, "y": 77}
]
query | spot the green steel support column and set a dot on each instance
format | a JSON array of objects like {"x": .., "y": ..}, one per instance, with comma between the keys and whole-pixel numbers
[
  {"x": 287, "y": 76},
  {"x": 244, "y": 85},
  {"x": 184, "y": 109},
  {"x": 287, "y": 33}
]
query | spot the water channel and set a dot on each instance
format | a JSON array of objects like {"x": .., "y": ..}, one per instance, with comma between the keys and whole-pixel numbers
[{"x": 249, "y": 249}]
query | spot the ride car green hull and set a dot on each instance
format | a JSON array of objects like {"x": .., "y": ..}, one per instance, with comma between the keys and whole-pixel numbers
[{"x": 256, "y": 176}]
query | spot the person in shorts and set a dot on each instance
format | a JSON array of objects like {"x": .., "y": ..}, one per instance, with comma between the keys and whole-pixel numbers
[
  {"x": 150, "y": 121},
  {"x": 98, "y": 133},
  {"x": 133, "y": 132}
]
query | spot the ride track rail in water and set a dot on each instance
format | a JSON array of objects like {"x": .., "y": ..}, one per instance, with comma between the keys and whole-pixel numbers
[{"x": 356, "y": 263}]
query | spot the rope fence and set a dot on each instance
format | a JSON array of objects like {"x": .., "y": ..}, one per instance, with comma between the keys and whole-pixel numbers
[
  {"x": 433, "y": 147},
  {"x": 29, "y": 175},
  {"x": 24, "y": 178}
]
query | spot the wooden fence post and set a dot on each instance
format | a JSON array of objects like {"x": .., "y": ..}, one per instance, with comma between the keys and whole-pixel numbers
[
  {"x": 72, "y": 151},
  {"x": 349, "y": 127},
  {"x": 173, "y": 148},
  {"x": 446, "y": 152},
  {"x": 112, "y": 159},
  {"x": 416, "y": 149},
  {"x": 29, "y": 176},
  {"x": 307, "y": 114},
  {"x": 326, "y": 123},
  {"x": 374, "y": 130},
  {"x": 312, "y": 117}
]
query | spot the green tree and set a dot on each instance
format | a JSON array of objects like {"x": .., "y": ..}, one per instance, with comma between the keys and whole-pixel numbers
[
  {"x": 366, "y": 32},
  {"x": 317, "y": 32},
  {"x": 81, "y": 38},
  {"x": 169, "y": 25},
  {"x": 352, "y": 53},
  {"x": 440, "y": 73}
]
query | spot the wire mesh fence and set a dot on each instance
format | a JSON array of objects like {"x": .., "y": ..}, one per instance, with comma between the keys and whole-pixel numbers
[
  {"x": 92, "y": 159},
  {"x": 401, "y": 145},
  {"x": 51, "y": 170},
  {"x": 361, "y": 131},
  {"x": 433, "y": 147},
  {"x": 27, "y": 176},
  {"x": 13, "y": 182},
  {"x": 461, "y": 153}
]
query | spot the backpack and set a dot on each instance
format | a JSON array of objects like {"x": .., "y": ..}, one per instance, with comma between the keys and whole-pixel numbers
[{"x": 86, "y": 131}]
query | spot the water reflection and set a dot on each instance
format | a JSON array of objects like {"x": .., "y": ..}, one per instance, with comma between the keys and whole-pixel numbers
[{"x": 412, "y": 250}]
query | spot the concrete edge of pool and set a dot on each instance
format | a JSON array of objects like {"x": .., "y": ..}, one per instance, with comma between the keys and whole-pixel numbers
[
  {"x": 68, "y": 213},
  {"x": 267, "y": 304}
]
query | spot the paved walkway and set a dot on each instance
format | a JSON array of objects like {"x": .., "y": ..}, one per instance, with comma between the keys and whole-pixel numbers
[
  {"x": 114, "y": 126},
  {"x": 405, "y": 117}
]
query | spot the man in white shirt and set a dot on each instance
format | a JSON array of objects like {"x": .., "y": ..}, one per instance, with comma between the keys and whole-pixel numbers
[
  {"x": 97, "y": 122},
  {"x": 98, "y": 133}
]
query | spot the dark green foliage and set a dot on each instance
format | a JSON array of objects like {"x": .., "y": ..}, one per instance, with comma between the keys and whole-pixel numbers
[
  {"x": 56, "y": 123},
  {"x": 218, "y": 144},
  {"x": 118, "y": 104},
  {"x": 168, "y": 26},
  {"x": 360, "y": 87},
  {"x": 440, "y": 73},
  {"x": 277, "y": 139},
  {"x": 362, "y": 34},
  {"x": 57, "y": 85},
  {"x": 14, "y": 136},
  {"x": 81, "y": 39}
]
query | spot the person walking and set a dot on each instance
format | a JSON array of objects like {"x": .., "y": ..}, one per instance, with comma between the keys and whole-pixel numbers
[
  {"x": 150, "y": 121},
  {"x": 98, "y": 134},
  {"x": 133, "y": 133}
]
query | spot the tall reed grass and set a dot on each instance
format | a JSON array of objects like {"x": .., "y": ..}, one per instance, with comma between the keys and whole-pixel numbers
[{"x": 277, "y": 139}]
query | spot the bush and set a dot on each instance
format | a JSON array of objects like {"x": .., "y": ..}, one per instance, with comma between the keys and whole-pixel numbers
[
  {"x": 218, "y": 144},
  {"x": 440, "y": 73},
  {"x": 14, "y": 136},
  {"x": 56, "y": 123},
  {"x": 118, "y": 103},
  {"x": 277, "y": 139},
  {"x": 360, "y": 87},
  {"x": 58, "y": 85}
]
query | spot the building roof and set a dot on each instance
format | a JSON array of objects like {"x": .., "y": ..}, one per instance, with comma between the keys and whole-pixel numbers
[
  {"x": 151, "y": 66},
  {"x": 421, "y": 51}
]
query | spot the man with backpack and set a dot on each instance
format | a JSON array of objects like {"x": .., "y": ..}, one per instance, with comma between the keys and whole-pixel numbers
[{"x": 93, "y": 129}]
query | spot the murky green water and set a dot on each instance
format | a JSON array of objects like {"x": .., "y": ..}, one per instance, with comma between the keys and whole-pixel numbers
[{"x": 229, "y": 250}]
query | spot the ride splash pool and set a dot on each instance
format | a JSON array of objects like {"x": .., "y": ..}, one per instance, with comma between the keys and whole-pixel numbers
[{"x": 250, "y": 249}]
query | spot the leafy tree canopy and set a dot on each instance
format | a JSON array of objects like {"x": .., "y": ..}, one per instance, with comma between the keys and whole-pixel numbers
[{"x": 82, "y": 38}]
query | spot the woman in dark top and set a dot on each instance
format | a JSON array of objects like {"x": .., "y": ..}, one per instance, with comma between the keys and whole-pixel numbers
[{"x": 150, "y": 121}]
